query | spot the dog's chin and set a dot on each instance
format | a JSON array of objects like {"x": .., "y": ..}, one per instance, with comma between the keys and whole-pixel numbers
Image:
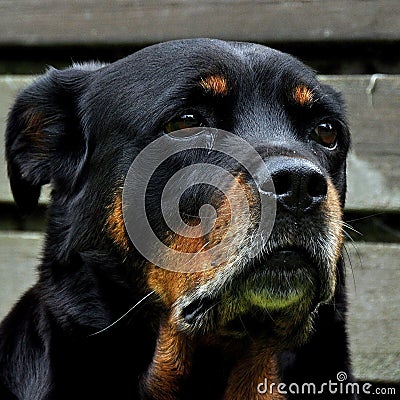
[
  {"x": 285, "y": 278},
  {"x": 275, "y": 296}
]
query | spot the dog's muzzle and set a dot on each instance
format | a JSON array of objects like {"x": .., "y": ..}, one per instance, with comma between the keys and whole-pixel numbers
[{"x": 296, "y": 269}]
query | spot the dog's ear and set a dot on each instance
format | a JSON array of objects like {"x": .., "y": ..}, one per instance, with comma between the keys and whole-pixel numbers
[{"x": 45, "y": 139}]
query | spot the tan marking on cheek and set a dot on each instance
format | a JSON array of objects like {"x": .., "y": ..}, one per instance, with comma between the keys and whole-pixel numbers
[
  {"x": 303, "y": 95},
  {"x": 216, "y": 84},
  {"x": 334, "y": 214},
  {"x": 115, "y": 223},
  {"x": 170, "y": 285}
]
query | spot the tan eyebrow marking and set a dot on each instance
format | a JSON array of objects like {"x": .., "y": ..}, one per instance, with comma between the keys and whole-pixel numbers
[
  {"x": 216, "y": 84},
  {"x": 303, "y": 95}
]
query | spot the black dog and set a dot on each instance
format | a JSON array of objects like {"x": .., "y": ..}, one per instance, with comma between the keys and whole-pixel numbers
[{"x": 230, "y": 332}]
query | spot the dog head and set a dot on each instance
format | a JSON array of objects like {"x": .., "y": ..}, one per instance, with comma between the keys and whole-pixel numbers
[{"x": 80, "y": 130}]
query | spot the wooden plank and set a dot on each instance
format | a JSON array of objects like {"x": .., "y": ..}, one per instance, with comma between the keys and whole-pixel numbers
[
  {"x": 55, "y": 22},
  {"x": 374, "y": 164},
  {"x": 19, "y": 256},
  {"x": 9, "y": 85},
  {"x": 374, "y": 321}
]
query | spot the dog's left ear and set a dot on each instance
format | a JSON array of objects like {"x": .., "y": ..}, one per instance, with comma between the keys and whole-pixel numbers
[{"x": 45, "y": 139}]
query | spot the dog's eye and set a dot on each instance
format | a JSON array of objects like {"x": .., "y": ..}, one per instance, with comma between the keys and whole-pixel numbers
[
  {"x": 325, "y": 134},
  {"x": 186, "y": 120}
]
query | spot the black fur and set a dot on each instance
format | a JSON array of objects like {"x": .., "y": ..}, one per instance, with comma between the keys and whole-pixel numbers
[{"x": 79, "y": 130}]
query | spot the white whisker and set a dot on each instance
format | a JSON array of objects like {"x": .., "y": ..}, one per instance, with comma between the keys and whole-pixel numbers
[{"x": 124, "y": 315}]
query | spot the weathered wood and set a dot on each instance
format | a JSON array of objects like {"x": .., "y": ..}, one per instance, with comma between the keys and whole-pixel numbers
[
  {"x": 374, "y": 321},
  {"x": 19, "y": 255},
  {"x": 54, "y": 22},
  {"x": 374, "y": 164}
]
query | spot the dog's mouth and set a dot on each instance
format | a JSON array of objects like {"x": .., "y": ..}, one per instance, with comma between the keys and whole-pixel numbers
[
  {"x": 286, "y": 258},
  {"x": 283, "y": 284}
]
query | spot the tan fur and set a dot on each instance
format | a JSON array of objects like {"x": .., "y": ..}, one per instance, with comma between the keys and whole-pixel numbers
[
  {"x": 171, "y": 286},
  {"x": 333, "y": 209},
  {"x": 258, "y": 364},
  {"x": 216, "y": 84},
  {"x": 171, "y": 362},
  {"x": 115, "y": 223},
  {"x": 303, "y": 95}
]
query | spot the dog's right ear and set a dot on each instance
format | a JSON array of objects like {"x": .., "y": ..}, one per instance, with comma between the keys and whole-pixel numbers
[{"x": 45, "y": 140}]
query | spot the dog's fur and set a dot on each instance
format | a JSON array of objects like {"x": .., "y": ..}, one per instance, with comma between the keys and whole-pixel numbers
[{"x": 214, "y": 334}]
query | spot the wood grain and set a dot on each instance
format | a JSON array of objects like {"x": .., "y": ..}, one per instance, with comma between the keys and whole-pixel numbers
[
  {"x": 55, "y": 22},
  {"x": 373, "y": 281},
  {"x": 374, "y": 165}
]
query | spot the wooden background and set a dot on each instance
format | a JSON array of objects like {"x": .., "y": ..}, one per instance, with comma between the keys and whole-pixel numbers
[
  {"x": 358, "y": 41},
  {"x": 147, "y": 21}
]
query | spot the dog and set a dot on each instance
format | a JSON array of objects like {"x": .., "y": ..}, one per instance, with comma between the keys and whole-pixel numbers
[{"x": 103, "y": 321}]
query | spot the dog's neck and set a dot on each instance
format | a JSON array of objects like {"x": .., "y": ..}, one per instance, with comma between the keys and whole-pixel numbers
[{"x": 245, "y": 364}]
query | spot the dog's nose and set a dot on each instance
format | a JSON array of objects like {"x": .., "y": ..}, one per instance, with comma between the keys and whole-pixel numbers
[{"x": 299, "y": 185}]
